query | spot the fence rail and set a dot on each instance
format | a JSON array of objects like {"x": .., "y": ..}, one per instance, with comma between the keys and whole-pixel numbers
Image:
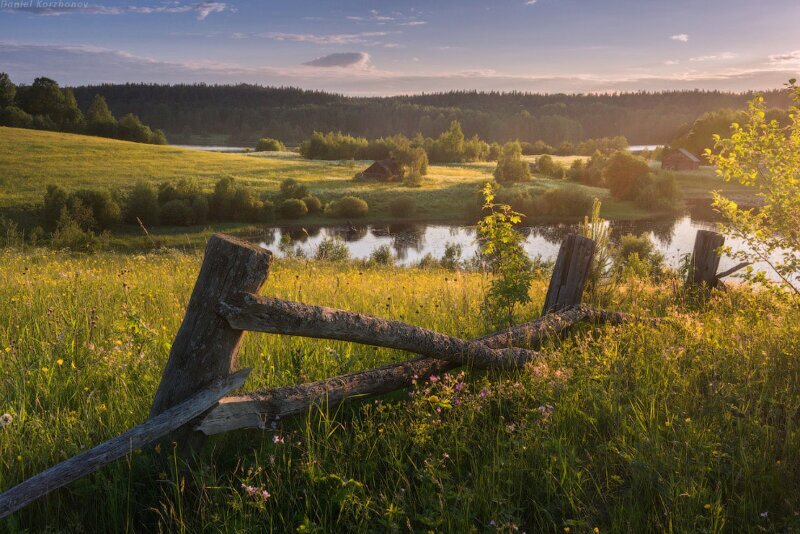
[{"x": 190, "y": 401}]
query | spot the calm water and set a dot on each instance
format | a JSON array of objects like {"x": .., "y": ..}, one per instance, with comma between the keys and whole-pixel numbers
[
  {"x": 209, "y": 148},
  {"x": 411, "y": 242}
]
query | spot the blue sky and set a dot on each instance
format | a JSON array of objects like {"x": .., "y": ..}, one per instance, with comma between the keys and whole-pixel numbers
[{"x": 392, "y": 47}]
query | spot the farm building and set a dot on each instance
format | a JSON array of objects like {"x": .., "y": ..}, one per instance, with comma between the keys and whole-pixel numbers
[
  {"x": 679, "y": 160},
  {"x": 384, "y": 170}
]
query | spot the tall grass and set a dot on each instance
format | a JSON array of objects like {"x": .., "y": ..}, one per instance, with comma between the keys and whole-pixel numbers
[{"x": 691, "y": 425}]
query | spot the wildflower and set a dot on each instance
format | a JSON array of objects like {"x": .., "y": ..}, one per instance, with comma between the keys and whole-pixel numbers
[
  {"x": 277, "y": 439},
  {"x": 8, "y": 349},
  {"x": 19, "y": 457},
  {"x": 566, "y": 530},
  {"x": 259, "y": 493},
  {"x": 596, "y": 530},
  {"x": 484, "y": 392},
  {"x": 492, "y": 523},
  {"x": 764, "y": 514},
  {"x": 45, "y": 369},
  {"x": 60, "y": 362},
  {"x": 433, "y": 398},
  {"x": 459, "y": 386},
  {"x": 707, "y": 506},
  {"x": 434, "y": 379},
  {"x": 5, "y": 419}
]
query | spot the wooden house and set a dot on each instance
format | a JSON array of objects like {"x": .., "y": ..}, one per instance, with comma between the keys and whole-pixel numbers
[
  {"x": 384, "y": 170},
  {"x": 679, "y": 160}
]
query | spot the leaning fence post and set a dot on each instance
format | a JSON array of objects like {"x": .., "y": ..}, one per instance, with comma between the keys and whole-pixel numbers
[
  {"x": 206, "y": 347},
  {"x": 705, "y": 259},
  {"x": 570, "y": 273}
]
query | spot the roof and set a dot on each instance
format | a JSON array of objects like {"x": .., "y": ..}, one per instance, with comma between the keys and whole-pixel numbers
[
  {"x": 389, "y": 166},
  {"x": 689, "y": 155}
]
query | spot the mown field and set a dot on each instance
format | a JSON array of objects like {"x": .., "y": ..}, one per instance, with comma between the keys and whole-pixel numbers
[
  {"x": 686, "y": 426},
  {"x": 30, "y": 160}
]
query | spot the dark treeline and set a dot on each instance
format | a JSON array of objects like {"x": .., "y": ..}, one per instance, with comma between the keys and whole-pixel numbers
[
  {"x": 244, "y": 113},
  {"x": 43, "y": 105}
]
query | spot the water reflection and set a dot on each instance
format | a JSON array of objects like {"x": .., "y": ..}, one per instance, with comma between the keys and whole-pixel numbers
[{"x": 412, "y": 241}]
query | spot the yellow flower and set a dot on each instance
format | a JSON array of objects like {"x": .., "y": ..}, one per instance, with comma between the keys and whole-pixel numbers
[
  {"x": 566, "y": 530},
  {"x": 60, "y": 362},
  {"x": 8, "y": 349},
  {"x": 707, "y": 506},
  {"x": 433, "y": 398},
  {"x": 596, "y": 530},
  {"x": 118, "y": 342},
  {"x": 19, "y": 458},
  {"x": 45, "y": 369}
]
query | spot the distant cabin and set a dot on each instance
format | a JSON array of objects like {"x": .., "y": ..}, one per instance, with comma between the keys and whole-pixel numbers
[
  {"x": 384, "y": 170},
  {"x": 679, "y": 160}
]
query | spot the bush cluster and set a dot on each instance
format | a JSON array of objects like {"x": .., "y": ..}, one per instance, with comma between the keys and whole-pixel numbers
[{"x": 267, "y": 144}]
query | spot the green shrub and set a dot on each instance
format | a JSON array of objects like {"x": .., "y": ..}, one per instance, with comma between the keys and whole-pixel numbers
[
  {"x": 313, "y": 204},
  {"x": 661, "y": 193},
  {"x": 634, "y": 252},
  {"x": 452, "y": 256},
  {"x": 267, "y": 144},
  {"x": 510, "y": 165},
  {"x": 352, "y": 207},
  {"x": 200, "y": 209},
  {"x": 291, "y": 188},
  {"x": 267, "y": 211},
  {"x": 55, "y": 200},
  {"x": 69, "y": 234},
  {"x": 105, "y": 210},
  {"x": 177, "y": 213},
  {"x": 245, "y": 206},
  {"x": 332, "y": 249},
  {"x": 382, "y": 256},
  {"x": 626, "y": 175},
  {"x": 292, "y": 208},
  {"x": 564, "y": 202},
  {"x": 142, "y": 204},
  {"x": 402, "y": 207}
]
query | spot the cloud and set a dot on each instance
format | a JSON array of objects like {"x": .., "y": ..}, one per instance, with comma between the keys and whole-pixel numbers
[
  {"x": 784, "y": 59},
  {"x": 337, "y": 38},
  {"x": 203, "y": 9},
  {"x": 682, "y": 37},
  {"x": 80, "y": 65},
  {"x": 671, "y": 62},
  {"x": 716, "y": 57},
  {"x": 413, "y": 23},
  {"x": 530, "y": 2},
  {"x": 341, "y": 59}
]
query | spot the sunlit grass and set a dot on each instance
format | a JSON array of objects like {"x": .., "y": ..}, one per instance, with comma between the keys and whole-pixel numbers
[{"x": 686, "y": 426}]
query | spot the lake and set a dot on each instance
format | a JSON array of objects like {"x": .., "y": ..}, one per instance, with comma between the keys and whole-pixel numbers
[
  {"x": 211, "y": 148},
  {"x": 410, "y": 242}
]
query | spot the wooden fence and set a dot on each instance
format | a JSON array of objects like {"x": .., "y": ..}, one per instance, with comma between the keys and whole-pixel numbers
[{"x": 191, "y": 404}]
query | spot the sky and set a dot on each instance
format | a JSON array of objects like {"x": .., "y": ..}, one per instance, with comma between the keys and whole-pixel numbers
[{"x": 400, "y": 47}]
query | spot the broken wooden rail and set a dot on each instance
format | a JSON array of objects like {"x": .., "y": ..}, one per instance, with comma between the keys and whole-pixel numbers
[
  {"x": 202, "y": 363},
  {"x": 705, "y": 259}
]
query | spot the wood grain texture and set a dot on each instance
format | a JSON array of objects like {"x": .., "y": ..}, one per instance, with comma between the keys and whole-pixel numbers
[
  {"x": 276, "y": 316},
  {"x": 256, "y": 410},
  {"x": 206, "y": 346},
  {"x": 89, "y": 461},
  {"x": 569, "y": 274},
  {"x": 705, "y": 259}
]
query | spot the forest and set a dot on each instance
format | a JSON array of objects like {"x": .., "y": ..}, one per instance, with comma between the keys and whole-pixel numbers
[{"x": 241, "y": 114}]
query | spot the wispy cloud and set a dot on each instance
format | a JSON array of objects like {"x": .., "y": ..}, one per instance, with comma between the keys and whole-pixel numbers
[
  {"x": 681, "y": 37},
  {"x": 73, "y": 65},
  {"x": 341, "y": 59},
  {"x": 326, "y": 39},
  {"x": 530, "y": 2},
  {"x": 713, "y": 57},
  {"x": 202, "y": 9},
  {"x": 788, "y": 58}
]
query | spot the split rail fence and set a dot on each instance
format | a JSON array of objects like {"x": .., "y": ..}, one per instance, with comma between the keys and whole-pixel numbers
[{"x": 191, "y": 403}]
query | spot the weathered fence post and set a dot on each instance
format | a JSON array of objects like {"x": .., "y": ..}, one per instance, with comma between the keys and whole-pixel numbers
[
  {"x": 705, "y": 259},
  {"x": 206, "y": 347},
  {"x": 570, "y": 273}
]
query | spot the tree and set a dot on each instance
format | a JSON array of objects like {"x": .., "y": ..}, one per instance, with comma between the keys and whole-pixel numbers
[
  {"x": 764, "y": 155},
  {"x": 267, "y": 144},
  {"x": 626, "y": 175},
  {"x": 142, "y": 204},
  {"x": 7, "y": 91},
  {"x": 99, "y": 119},
  {"x": 510, "y": 166},
  {"x": 501, "y": 245}
]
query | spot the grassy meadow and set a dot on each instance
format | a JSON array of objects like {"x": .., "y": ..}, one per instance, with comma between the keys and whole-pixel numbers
[
  {"x": 686, "y": 426},
  {"x": 32, "y": 159}
]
